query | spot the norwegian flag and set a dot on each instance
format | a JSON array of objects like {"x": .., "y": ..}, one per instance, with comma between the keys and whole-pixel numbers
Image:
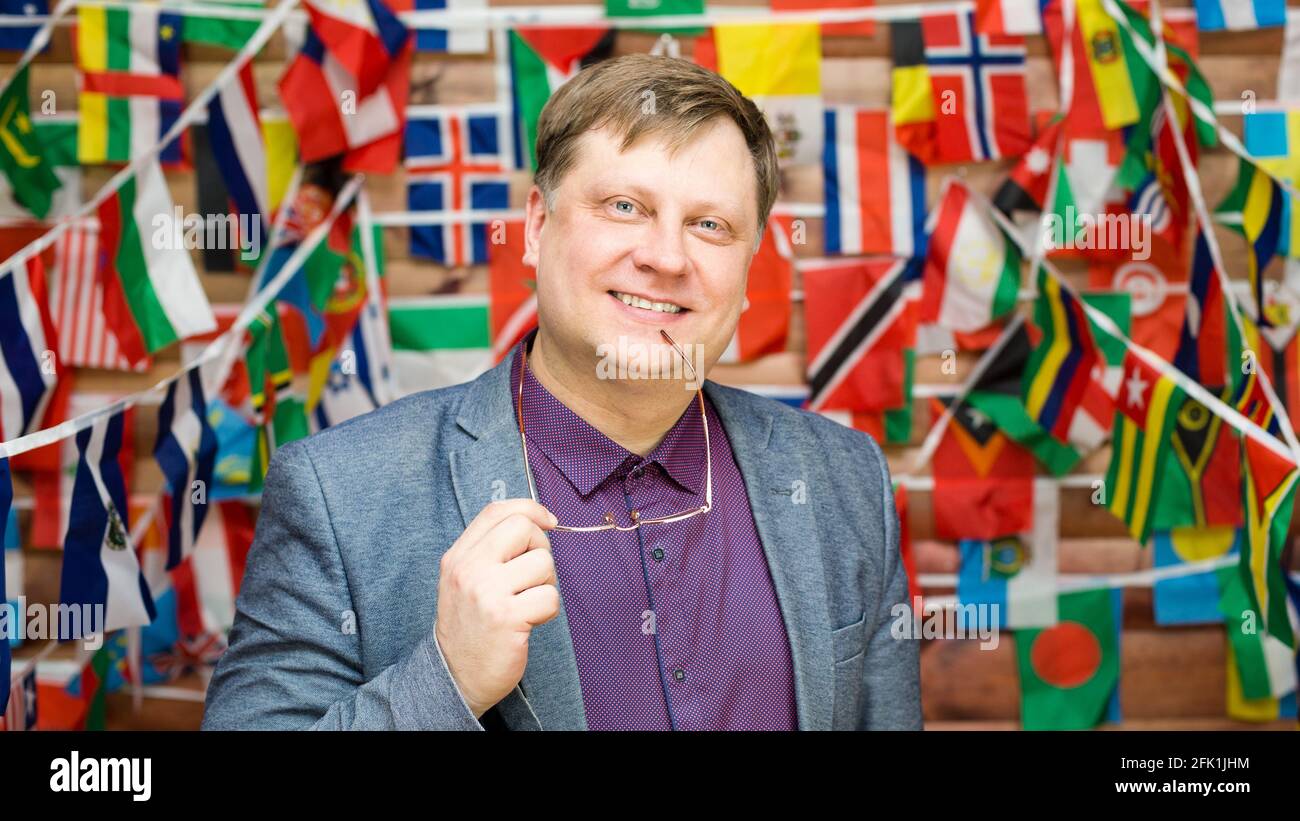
[
  {"x": 984, "y": 76},
  {"x": 456, "y": 161}
]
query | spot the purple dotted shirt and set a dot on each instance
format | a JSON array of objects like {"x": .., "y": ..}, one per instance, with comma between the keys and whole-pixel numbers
[{"x": 674, "y": 626}]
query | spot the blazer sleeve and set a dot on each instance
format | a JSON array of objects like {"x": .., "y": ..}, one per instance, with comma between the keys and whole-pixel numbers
[
  {"x": 290, "y": 664},
  {"x": 892, "y": 671}
]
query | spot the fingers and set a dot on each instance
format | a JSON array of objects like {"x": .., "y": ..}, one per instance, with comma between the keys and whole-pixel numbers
[
  {"x": 495, "y": 512},
  {"x": 511, "y": 537},
  {"x": 529, "y": 570},
  {"x": 537, "y": 605}
]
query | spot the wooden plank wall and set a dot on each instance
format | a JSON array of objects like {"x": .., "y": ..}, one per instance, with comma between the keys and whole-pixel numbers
[{"x": 1171, "y": 677}]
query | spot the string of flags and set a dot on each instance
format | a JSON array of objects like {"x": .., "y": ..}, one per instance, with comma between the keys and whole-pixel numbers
[{"x": 1202, "y": 453}]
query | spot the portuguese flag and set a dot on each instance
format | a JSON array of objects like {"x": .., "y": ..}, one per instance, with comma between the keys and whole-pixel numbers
[
  {"x": 152, "y": 294},
  {"x": 1069, "y": 672}
]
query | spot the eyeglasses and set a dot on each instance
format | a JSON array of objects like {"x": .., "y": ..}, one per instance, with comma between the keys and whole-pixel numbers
[{"x": 637, "y": 521}]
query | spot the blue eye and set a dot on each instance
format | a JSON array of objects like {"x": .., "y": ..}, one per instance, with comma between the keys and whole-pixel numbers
[{"x": 630, "y": 207}]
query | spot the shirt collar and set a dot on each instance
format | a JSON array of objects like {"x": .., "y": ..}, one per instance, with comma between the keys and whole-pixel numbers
[{"x": 588, "y": 457}]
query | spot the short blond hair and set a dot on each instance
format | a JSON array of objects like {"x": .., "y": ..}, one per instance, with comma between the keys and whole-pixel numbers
[{"x": 614, "y": 93}]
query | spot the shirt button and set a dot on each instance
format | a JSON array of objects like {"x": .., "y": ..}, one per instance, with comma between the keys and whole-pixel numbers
[
  {"x": 679, "y": 674},
  {"x": 658, "y": 553}
]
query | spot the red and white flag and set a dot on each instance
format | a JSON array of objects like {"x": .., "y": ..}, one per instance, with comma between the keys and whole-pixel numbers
[
  {"x": 1008, "y": 17},
  {"x": 77, "y": 306},
  {"x": 765, "y": 318}
]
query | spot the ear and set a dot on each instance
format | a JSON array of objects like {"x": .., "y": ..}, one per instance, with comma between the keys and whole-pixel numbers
[{"x": 534, "y": 219}]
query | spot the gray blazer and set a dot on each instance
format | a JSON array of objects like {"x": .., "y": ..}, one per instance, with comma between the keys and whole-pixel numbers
[{"x": 334, "y": 616}]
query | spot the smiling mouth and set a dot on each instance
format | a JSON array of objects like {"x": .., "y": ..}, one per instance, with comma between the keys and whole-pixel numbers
[{"x": 634, "y": 301}]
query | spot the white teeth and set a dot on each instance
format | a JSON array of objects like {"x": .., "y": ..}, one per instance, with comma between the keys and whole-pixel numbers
[{"x": 638, "y": 302}]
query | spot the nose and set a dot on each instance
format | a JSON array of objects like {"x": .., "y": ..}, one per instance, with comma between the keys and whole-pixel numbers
[{"x": 661, "y": 249}]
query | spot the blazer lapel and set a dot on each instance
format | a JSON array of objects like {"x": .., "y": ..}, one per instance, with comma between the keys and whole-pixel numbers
[
  {"x": 492, "y": 466},
  {"x": 772, "y": 466}
]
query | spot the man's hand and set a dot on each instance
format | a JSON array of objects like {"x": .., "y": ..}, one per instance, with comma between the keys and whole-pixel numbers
[{"x": 497, "y": 583}]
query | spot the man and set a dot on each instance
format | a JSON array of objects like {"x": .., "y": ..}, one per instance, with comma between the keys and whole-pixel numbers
[{"x": 658, "y": 557}]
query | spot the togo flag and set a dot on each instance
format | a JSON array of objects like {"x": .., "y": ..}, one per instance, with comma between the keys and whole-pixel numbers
[
  {"x": 30, "y": 176},
  {"x": 1146, "y": 413},
  {"x": 1069, "y": 672},
  {"x": 152, "y": 294},
  {"x": 99, "y": 560}
]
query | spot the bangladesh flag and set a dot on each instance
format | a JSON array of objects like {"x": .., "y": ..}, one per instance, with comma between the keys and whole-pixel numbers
[
  {"x": 1069, "y": 673},
  {"x": 31, "y": 176}
]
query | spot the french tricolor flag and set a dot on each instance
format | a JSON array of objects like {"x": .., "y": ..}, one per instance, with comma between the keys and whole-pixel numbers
[
  {"x": 29, "y": 369},
  {"x": 235, "y": 129},
  {"x": 346, "y": 90}
]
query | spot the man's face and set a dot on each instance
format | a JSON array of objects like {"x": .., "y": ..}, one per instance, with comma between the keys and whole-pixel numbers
[{"x": 675, "y": 229}]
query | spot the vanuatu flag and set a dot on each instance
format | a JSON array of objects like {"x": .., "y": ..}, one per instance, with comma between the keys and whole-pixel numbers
[
  {"x": 1144, "y": 420},
  {"x": 1069, "y": 672}
]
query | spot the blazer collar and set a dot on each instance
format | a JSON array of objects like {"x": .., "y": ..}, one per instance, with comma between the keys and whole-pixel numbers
[{"x": 766, "y": 443}]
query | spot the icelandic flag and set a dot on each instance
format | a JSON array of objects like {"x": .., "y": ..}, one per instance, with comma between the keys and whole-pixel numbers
[
  {"x": 456, "y": 40},
  {"x": 28, "y": 370},
  {"x": 475, "y": 137},
  {"x": 366, "y": 65},
  {"x": 17, "y": 38},
  {"x": 186, "y": 451},
  {"x": 99, "y": 560},
  {"x": 458, "y": 239},
  {"x": 235, "y": 130}
]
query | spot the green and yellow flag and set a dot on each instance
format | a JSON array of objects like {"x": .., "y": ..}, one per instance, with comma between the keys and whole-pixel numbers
[
  {"x": 30, "y": 175},
  {"x": 1069, "y": 672},
  {"x": 1146, "y": 411}
]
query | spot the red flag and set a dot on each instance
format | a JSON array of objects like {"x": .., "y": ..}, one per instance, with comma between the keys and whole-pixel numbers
[{"x": 983, "y": 481}]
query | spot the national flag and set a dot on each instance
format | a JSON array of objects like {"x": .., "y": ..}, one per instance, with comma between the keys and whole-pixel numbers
[
  {"x": 281, "y": 157},
  {"x": 541, "y": 60},
  {"x": 779, "y": 67},
  {"x": 461, "y": 40},
  {"x": 224, "y": 31},
  {"x": 1192, "y": 598},
  {"x": 356, "y": 52},
  {"x": 1060, "y": 370},
  {"x": 1025, "y": 188},
  {"x": 858, "y": 28},
  {"x": 1108, "y": 64},
  {"x": 874, "y": 190},
  {"x": 1201, "y": 474},
  {"x": 1254, "y": 208},
  {"x": 972, "y": 271},
  {"x": 18, "y": 38},
  {"x": 130, "y": 88},
  {"x": 77, "y": 306},
  {"x": 1277, "y": 347},
  {"x": 986, "y": 480},
  {"x": 22, "y": 712},
  {"x": 958, "y": 95},
  {"x": 456, "y": 160},
  {"x": 186, "y": 451},
  {"x": 217, "y": 566},
  {"x": 278, "y": 405},
  {"x": 1147, "y": 412},
  {"x": 860, "y": 321},
  {"x": 152, "y": 293},
  {"x": 1015, "y": 573},
  {"x": 235, "y": 134},
  {"x": 1203, "y": 346},
  {"x": 1261, "y": 657},
  {"x": 1069, "y": 672},
  {"x": 1017, "y": 17},
  {"x": 22, "y": 159},
  {"x": 12, "y": 588},
  {"x": 57, "y": 136},
  {"x": 1272, "y": 138},
  {"x": 99, "y": 556},
  {"x": 439, "y": 340},
  {"x": 512, "y": 289},
  {"x": 1239, "y": 15},
  {"x": 765, "y": 317},
  {"x": 6, "y": 500},
  {"x": 996, "y": 396},
  {"x": 29, "y": 368}
]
